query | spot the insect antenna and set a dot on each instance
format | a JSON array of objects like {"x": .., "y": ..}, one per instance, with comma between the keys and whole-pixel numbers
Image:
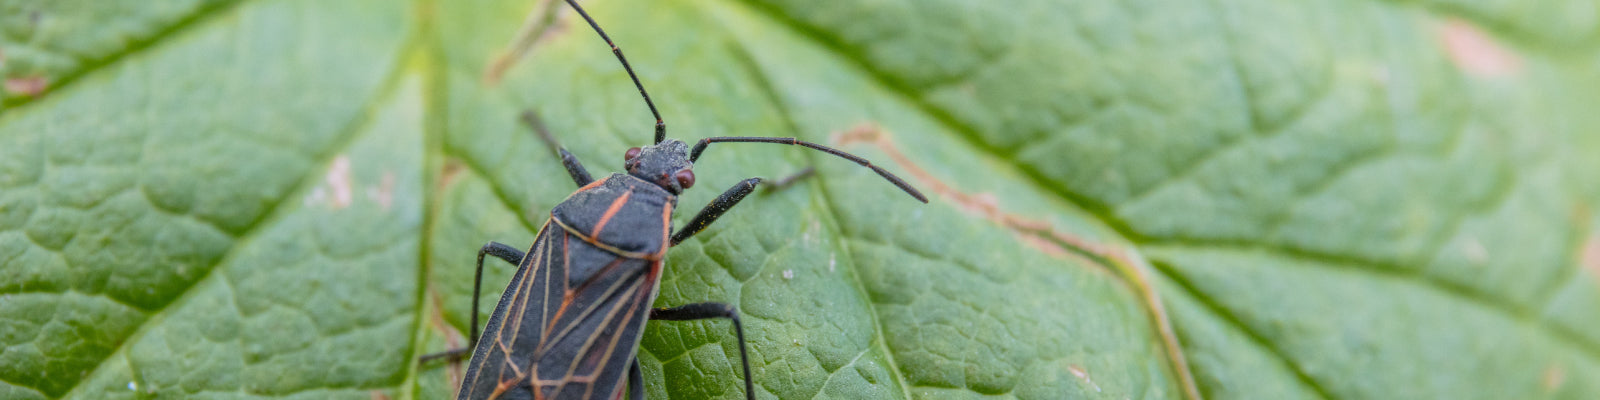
[
  {"x": 701, "y": 147},
  {"x": 661, "y": 126}
]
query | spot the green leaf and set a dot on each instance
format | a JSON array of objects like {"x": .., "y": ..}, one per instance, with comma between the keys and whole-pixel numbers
[{"x": 282, "y": 198}]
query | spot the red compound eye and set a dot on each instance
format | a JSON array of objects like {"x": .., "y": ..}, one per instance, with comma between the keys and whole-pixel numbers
[
  {"x": 633, "y": 152},
  {"x": 685, "y": 178}
]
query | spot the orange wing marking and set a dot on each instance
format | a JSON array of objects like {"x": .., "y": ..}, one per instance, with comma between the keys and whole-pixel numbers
[{"x": 611, "y": 211}]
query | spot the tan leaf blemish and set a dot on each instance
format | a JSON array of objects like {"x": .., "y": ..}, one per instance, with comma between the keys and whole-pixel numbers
[
  {"x": 378, "y": 395},
  {"x": 27, "y": 86},
  {"x": 449, "y": 173},
  {"x": 1039, "y": 234},
  {"x": 1046, "y": 246},
  {"x": 539, "y": 26},
  {"x": 1084, "y": 375},
  {"x": 338, "y": 181},
  {"x": 1590, "y": 259},
  {"x": 1475, "y": 52},
  {"x": 1554, "y": 377},
  {"x": 1473, "y": 249},
  {"x": 383, "y": 194},
  {"x": 1129, "y": 266}
]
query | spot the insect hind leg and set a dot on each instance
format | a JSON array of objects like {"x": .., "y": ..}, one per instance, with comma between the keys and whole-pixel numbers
[
  {"x": 574, "y": 167},
  {"x": 708, "y": 310},
  {"x": 498, "y": 250}
]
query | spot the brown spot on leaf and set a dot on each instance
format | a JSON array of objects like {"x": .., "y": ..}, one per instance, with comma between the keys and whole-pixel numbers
[
  {"x": 447, "y": 175},
  {"x": 1475, "y": 53},
  {"x": 27, "y": 86},
  {"x": 378, "y": 395}
]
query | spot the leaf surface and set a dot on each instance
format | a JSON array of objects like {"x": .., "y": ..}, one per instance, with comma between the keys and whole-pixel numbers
[{"x": 1149, "y": 199}]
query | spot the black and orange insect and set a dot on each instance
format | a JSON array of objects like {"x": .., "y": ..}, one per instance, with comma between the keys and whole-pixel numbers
[{"x": 569, "y": 323}]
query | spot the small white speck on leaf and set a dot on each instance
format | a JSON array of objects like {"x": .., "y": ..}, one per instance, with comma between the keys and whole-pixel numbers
[
  {"x": 338, "y": 179},
  {"x": 832, "y": 262},
  {"x": 788, "y": 274},
  {"x": 1475, "y": 251},
  {"x": 1084, "y": 375},
  {"x": 133, "y": 386}
]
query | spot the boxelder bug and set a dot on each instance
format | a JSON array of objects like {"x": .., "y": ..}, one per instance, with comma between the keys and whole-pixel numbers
[{"x": 569, "y": 322}]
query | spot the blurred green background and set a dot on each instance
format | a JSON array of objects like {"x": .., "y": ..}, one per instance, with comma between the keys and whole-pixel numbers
[{"x": 1222, "y": 199}]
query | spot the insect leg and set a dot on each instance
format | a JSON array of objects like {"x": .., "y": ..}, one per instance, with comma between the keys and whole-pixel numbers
[
  {"x": 635, "y": 382},
  {"x": 500, "y": 251},
  {"x": 708, "y": 310},
  {"x": 714, "y": 210},
  {"x": 574, "y": 168},
  {"x": 787, "y": 181}
]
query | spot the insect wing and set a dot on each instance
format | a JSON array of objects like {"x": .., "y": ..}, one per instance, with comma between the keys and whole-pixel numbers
[
  {"x": 537, "y": 284},
  {"x": 594, "y": 337},
  {"x": 567, "y": 340}
]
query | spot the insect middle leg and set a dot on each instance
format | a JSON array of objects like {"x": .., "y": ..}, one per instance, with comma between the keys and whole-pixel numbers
[
  {"x": 574, "y": 168},
  {"x": 708, "y": 310},
  {"x": 498, "y": 250},
  {"x": 726, "y": 201}
]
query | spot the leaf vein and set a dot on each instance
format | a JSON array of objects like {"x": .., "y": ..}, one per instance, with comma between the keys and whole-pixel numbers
[
  {"x": 275, "y": 212},
  {"x": 198, "y": 17}
]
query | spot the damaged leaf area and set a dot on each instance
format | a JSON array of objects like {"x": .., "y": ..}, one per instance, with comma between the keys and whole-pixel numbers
[{"x": 1130, "y": 200}]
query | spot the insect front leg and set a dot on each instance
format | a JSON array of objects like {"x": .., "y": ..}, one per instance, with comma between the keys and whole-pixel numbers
[
  {"x": 574, "y": 167},
  {"x": 715, "y": 210},
  {"x": 708, "y": 310},
  {"x": 787, "y": 181},
  {"x": 498, "y": 250}
]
